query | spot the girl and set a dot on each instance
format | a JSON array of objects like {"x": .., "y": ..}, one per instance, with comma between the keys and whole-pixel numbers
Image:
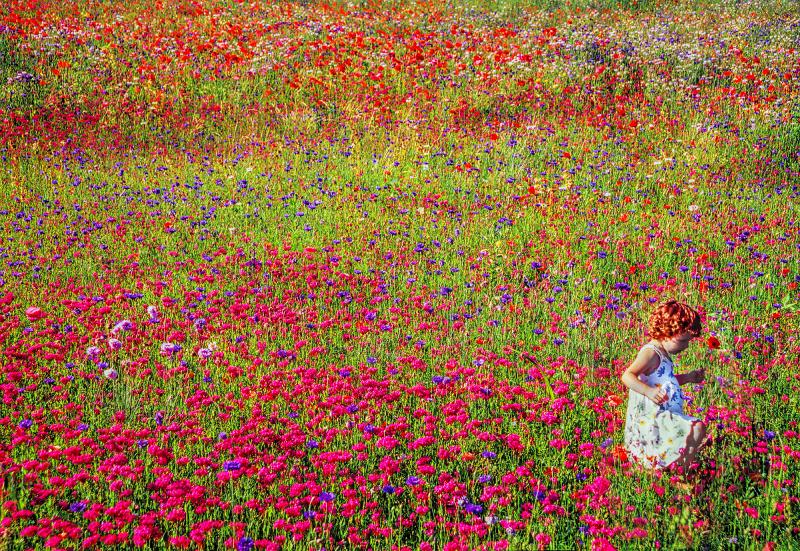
[{"x": 657, "y": 432}]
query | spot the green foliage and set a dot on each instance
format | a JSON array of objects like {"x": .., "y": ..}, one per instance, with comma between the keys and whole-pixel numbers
[{"x": 788, "y": 138}]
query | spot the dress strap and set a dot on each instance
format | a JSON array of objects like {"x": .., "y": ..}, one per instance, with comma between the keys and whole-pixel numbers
[{"x": 658, "y": 351}]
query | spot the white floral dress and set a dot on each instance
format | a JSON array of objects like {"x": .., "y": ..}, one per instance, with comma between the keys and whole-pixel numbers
[{"x": 655, "y": 435}]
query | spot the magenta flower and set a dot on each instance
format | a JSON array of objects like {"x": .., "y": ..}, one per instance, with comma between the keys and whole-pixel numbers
[{"x": 34, "y": 313}]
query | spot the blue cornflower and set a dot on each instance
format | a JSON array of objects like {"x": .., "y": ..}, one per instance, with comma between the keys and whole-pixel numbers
[
  {"x": 77, "y": 507},
  {"x": 473, "y": 508}
]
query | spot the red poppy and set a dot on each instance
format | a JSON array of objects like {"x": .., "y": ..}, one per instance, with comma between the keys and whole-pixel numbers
[
  {"x": 614, "y": 400},
  {"x": 713, "y": 342}
]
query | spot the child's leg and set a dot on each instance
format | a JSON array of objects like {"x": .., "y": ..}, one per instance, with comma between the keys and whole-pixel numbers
[
  {"x": 707, "y": 440},
  {"x": 693, "y": 443},
  {"x": 699, "y": 430}
]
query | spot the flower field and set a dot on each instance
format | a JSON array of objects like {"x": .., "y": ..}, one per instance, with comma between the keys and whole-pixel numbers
[{"x": 328, "y": 275}]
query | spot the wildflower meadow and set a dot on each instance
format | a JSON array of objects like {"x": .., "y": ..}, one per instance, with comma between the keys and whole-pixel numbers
[{"x": 365, "y": 275}]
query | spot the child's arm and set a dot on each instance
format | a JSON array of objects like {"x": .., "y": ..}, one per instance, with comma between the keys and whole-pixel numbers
[
  {"x": 695, "y": 376},
  {"x": 646, "y": 361}
]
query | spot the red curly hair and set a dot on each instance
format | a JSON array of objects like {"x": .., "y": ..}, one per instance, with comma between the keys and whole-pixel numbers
[{"x": 672, "y": 318}]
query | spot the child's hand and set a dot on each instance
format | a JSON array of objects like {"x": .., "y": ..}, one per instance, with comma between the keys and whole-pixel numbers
[
  {"x": 698, "y": 375},
  {"x": 657, "y": 394}
]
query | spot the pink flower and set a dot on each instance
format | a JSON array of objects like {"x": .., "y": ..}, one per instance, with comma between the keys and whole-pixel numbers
[
  {"x": 513, "y": 441},
  {"x": 543, "y": 540},
  {"x": 34, "y": 313},
  {"x": 387, "y": 442},
  {"x": 600, "y": 485},
  {"x": 602, "y": 544},
  {"x": 181, "y": 542}
]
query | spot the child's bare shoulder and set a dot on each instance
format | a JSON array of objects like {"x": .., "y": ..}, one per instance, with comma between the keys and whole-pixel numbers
[{"x": 648, "y": 358}]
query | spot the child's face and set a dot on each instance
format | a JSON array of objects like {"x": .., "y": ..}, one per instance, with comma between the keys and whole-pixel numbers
[{"x": 678, "y": 343}]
